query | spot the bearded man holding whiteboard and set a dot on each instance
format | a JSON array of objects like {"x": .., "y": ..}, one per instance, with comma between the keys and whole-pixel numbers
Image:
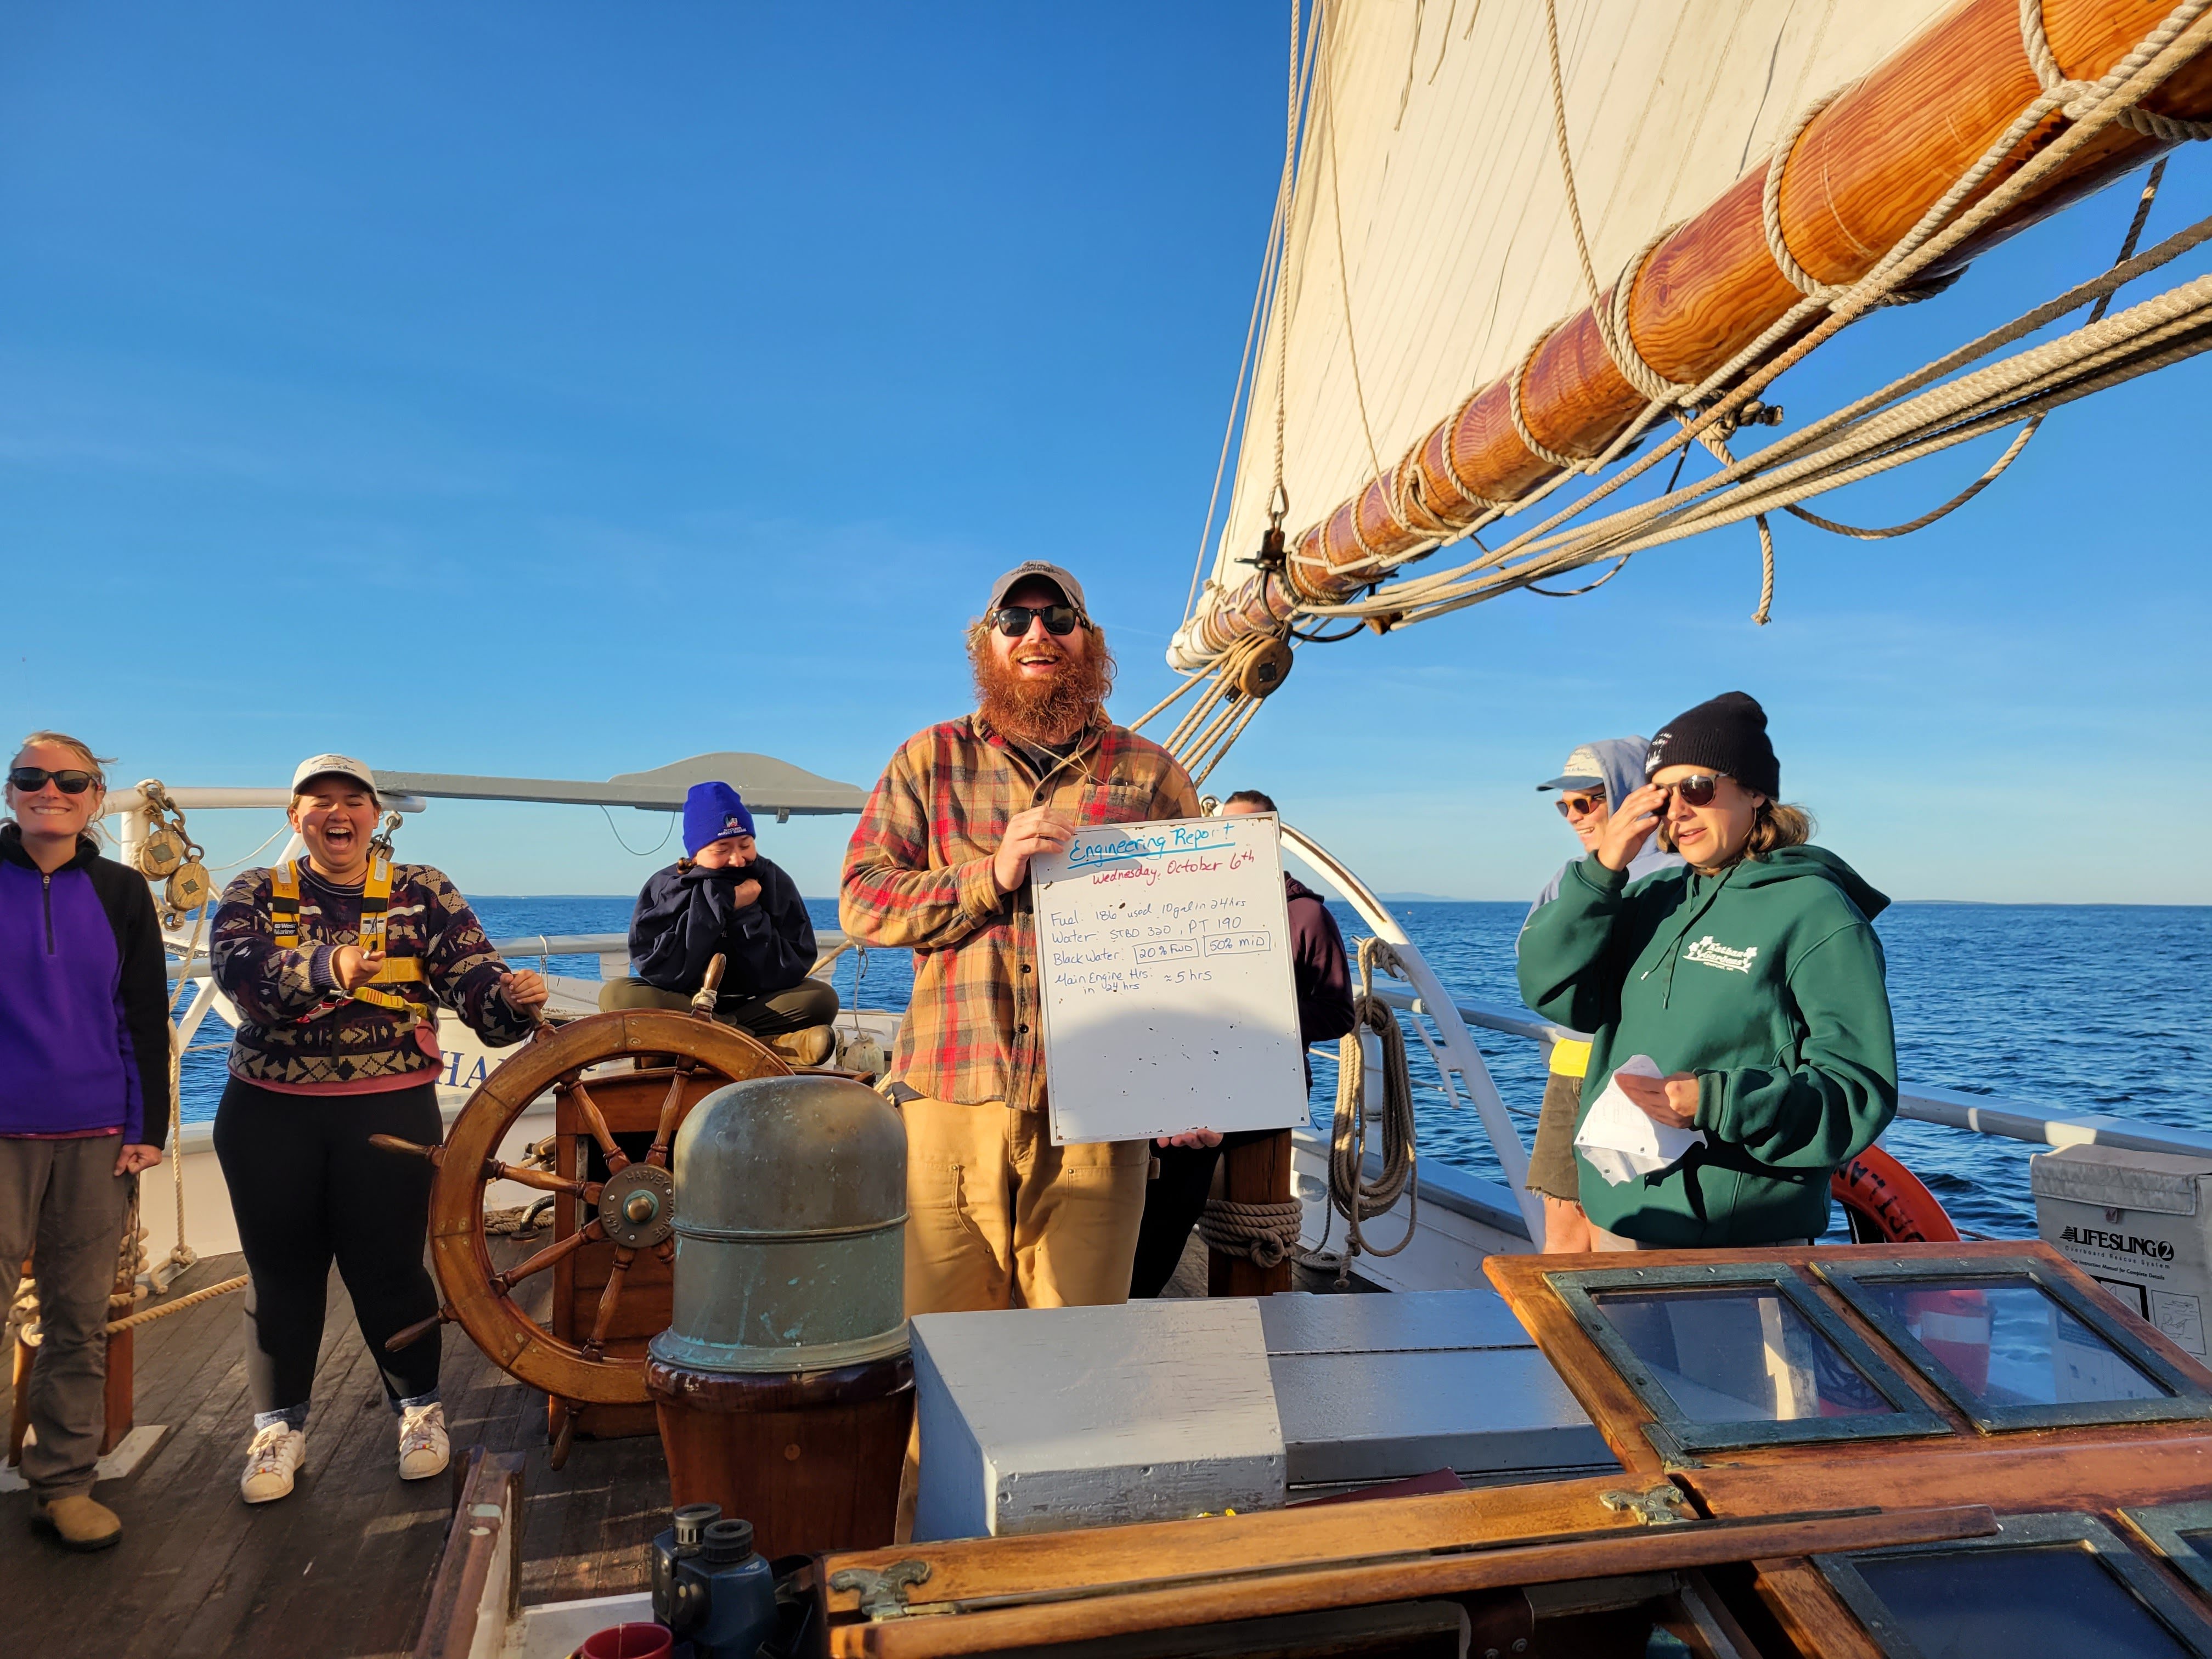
[{"x": 997, "y": 1215}]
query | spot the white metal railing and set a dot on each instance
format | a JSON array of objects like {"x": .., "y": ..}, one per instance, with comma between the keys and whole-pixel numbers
[
  {"x": 1449, "y": 1044},
  {"x": 1953, "y": 1108}
]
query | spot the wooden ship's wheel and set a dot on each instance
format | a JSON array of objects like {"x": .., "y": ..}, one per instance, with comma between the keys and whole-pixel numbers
[{"x": 616, "y": 1078}]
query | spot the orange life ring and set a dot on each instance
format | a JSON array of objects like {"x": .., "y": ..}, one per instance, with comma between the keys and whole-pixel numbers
[{"x": 1886, "y": 1203}]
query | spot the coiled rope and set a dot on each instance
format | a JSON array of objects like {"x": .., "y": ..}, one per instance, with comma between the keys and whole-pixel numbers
[
  {"x": 1351, "y": 1193},
  {"x": 1266, "y": 1235}
]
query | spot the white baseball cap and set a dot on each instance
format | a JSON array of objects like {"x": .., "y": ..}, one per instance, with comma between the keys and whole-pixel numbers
[
  {"x": 1581, "y": 772},
  {"x": 328, "y": 766}
]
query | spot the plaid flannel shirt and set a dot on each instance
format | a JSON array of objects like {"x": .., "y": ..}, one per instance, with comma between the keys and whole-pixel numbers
[{"x": 918, "y": 874}]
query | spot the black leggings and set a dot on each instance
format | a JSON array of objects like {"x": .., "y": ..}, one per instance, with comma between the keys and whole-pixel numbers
[{"x": 307, "y": 1188}]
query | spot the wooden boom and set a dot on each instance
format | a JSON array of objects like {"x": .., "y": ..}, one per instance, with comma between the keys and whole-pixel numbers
[{"x": 1862, "y": 173}]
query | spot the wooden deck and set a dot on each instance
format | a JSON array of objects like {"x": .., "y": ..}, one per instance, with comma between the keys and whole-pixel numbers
[{"x": 342, "y": 1566}]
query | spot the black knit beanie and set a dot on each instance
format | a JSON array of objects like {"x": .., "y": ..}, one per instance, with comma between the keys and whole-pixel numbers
[{"x": 1728, "y": 734}]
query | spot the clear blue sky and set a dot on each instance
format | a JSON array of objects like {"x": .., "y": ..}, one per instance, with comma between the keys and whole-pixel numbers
[{"x": 556, "y": 389}]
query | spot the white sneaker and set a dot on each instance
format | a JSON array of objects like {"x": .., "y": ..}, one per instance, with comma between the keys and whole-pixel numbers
[
  {"x": 423, "y": 1448},
  {"x": 276, "y": 1453}
]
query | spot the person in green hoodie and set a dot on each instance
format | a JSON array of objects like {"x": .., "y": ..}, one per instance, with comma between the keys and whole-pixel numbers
[{"x": 1752, "y": 976}]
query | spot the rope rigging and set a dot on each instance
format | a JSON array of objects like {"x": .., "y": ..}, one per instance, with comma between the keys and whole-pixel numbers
[
  {"x": 1543, "y": 552},
  {"x": 2000, "y": 382}
]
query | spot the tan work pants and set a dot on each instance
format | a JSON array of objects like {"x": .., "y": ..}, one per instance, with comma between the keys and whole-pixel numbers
[{"x": 998, "y": 1217}]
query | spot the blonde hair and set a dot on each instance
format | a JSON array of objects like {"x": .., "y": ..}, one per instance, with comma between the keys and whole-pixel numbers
[
  {"x": 1779, "y": 824},
  {"x": 93, "y": 763}
]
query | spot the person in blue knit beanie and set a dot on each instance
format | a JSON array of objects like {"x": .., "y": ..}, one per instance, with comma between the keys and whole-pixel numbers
[{"x": 722, "y": 898}]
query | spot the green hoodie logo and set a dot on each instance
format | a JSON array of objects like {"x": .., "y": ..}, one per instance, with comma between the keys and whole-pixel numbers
[{"x": 1712, "y": 955}]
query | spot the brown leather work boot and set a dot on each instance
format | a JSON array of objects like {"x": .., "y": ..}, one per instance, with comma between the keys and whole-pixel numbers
[
  {"x": 810, "y": 1046},
  {"x": 78, "y": 1522}
]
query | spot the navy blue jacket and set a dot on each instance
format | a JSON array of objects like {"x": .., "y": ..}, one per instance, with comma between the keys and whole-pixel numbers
[
  {"x": 84, "y": 998},
  {"x": 685, "y": 916}
]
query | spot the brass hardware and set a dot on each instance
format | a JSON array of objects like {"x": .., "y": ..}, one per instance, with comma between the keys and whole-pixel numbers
[
  {"x": 1660, "y": 1506},
  {"x": 883, "y": 1595}
]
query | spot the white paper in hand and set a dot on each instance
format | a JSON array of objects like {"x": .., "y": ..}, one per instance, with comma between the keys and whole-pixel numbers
[{"x": 1620, "y": 1142}]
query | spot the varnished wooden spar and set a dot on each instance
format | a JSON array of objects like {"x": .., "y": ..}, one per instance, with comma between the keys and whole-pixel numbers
[{"x": 1860, "y": 176}]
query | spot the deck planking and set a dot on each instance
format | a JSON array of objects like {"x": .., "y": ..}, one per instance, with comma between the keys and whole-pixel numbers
[{"x": 342, "y": 1566}]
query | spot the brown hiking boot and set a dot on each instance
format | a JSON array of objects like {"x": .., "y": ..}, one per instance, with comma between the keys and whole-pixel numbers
[
  {"x": 78, "y": 1522},
  {"x": 810, "y": 1046}
]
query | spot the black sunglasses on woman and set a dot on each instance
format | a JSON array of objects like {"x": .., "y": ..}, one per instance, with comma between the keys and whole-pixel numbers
[{"x": 29, "y": 780}]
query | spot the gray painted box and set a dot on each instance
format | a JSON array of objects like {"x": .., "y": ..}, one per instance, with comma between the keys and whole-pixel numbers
[
  {"x": 1043, "y": 1419},
  {"x": 1040, "y": 1420},
  {"x": 1379, "y": 1388}
]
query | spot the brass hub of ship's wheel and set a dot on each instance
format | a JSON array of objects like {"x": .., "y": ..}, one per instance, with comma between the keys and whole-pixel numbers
[
  {"x": 637, "y": 1207},
  {"x": 610, "y": 1074}
]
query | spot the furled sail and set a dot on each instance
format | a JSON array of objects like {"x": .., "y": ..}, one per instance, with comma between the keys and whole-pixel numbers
[{"x": 1431, "y": 248}]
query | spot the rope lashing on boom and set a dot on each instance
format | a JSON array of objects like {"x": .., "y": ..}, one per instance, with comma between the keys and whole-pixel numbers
[
  {"x": 1903, "y": 422},
  {"x": 1351, "y": 1193},
  {"x": 1892, "y": 427},
  {"x": 2082, "y": 96}
]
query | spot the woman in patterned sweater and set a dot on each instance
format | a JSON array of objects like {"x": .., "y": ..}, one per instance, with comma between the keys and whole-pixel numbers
[{"x": 339, "y": 964}]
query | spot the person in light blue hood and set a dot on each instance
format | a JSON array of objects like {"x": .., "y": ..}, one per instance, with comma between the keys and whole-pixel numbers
[{"x": 1596, "y": 775}]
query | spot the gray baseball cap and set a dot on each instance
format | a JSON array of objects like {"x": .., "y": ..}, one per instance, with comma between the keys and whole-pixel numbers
[
  {"x": 1581, "y": 772},
  {"x": 1036, "y": 570}
]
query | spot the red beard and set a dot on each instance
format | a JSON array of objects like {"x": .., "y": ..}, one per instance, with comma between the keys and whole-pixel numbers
[{"x": 1048, "y": 710}]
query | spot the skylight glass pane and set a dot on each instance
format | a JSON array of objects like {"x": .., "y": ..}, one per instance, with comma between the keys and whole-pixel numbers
[
  {"x": 2007, "y": 1342},
  {"x": 2005, "y": 1603},
  {"x": 1743, "y": 1354}
]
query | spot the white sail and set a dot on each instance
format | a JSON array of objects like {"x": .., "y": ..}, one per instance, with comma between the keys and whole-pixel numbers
[{"x": 1428, "y": 150}]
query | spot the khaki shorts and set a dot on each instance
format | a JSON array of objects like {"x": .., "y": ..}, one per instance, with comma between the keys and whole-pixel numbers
[{"x": 1551, "y": 1164}]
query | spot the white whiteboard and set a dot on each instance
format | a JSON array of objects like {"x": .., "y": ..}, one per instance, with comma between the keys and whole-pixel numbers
[{"x": 1169, "y": 999}]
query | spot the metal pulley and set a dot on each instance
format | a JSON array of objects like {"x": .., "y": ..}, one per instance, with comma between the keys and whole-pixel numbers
[
  {"x": 168, "y": 855},
  {"x": 162, "y": 853},
  {"x": 790, "y": 1214},
  {"x": 188, "y": 886}
]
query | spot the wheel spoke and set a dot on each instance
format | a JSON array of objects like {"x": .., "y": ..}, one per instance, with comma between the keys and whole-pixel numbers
[
  {"x": 590, "y": 1233},
  {"x": 545, "y": 1181},
  {"x": 657, "y": 1155},
  {"x": 394, "y": 1144},
  {"x": 595, "y": 1344},
  {"x": 596, "y": 1122}
]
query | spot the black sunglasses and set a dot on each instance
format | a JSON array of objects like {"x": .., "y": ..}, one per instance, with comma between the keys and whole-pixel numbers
[
  {"x": 1696, "y": 791},
  {"x": 31, "y": 778},
  {"x": 1013, "y": 620}
]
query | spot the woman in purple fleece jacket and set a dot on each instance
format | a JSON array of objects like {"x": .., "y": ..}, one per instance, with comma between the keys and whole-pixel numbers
[{"x": 84, "y": 1102}]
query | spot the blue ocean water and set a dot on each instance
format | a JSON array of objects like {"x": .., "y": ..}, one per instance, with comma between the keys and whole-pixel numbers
[{"x": 2086, "y": 1008}]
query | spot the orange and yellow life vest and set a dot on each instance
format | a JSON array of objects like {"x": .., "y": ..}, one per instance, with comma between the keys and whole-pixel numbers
[{"x": 375, "y": 901}]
